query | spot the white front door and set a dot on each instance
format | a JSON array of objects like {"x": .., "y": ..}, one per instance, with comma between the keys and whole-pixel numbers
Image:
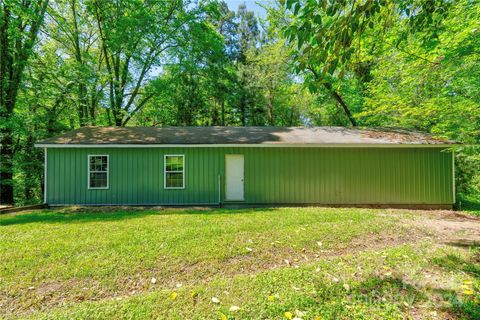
[{"x": 234, "y": 177}]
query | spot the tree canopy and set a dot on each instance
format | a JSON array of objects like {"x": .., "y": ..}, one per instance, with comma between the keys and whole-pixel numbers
[{"x": 72, "y": 63}]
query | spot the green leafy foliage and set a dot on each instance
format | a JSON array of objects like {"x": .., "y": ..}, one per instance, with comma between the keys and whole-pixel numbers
[
  {"x": 411, "y": 64},
  {"x": 20, "y": 23}
]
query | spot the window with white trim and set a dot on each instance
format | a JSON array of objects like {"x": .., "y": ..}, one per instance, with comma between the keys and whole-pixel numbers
[
  {"x": 98, "y": 172},
  {"x": 174, "y": 171}
]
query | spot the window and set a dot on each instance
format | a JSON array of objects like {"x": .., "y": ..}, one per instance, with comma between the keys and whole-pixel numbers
[
  {"x": 174, "y": 169},
  {"x": 97, "y": 172}
]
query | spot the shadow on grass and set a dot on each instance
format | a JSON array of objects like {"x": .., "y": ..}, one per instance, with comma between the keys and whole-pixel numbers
[
  {"x": 374, "y": 292},
  {"x": 453, "y": 262},
  {"x": 78, "y": 215},
  {"x": 466, "y": 306},
  {"x": 390, "y": 289},
  {"x": 463, "y": 308}
]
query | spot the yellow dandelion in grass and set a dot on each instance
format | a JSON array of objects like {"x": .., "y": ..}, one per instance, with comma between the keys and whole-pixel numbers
[
  {"x": 288, "y": 315},
  {"x": 467, "y": 287},
  {"x": 223, "y": 317},
  {"x": 271, "y": 297},
  {"x": 174, "y": 295}
]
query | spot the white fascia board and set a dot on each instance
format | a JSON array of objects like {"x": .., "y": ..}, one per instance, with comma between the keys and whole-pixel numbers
[{"x": 291, "y": 145}]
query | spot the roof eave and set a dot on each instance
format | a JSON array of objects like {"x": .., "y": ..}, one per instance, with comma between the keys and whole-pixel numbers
[{"x": 264, "y": 145}]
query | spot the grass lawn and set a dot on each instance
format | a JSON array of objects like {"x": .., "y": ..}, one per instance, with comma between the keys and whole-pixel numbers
[{"x": 306, "y": 263}]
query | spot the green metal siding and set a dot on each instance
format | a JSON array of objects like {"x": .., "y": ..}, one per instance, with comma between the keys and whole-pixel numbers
[{"x": 272, "y": 175}]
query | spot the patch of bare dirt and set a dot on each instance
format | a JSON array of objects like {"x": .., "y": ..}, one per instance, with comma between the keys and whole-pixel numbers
[
  {"x": 55, "y": 294},
  {"x": 450, "y": 227},
  {"x": 443, "y": 227}
]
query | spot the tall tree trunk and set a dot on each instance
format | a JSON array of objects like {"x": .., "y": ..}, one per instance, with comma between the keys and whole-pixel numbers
[
  {"x": 82, "y": 89},
  {"x": 6, "y": 111},
  {"x": 29, "y": 169},
  {"x": 214, "y": 115},
  {"x": 253, "y": 114},
  {"x": 223, "y": 112},
  {"x": 293, "y": 120},
  {"x": 117, "y": 119},
  {"x": 271, "y": 119},
  {"x": 243, "y": 110},
  {"x": 341, "y": 102},
  {"x": 6, "y": 163},
  {"x": 109, "y": 116},
  {"x": 337, "y": 97},
  {"x": 81, "y": 108},
  {"x": 91, "y": 110},
  {"x": 16, "y": 43}
]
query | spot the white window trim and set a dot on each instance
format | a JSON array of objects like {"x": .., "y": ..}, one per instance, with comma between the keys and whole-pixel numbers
[
  {"x": 165, "y": 171},
  {"x": 108, "y": 172}
]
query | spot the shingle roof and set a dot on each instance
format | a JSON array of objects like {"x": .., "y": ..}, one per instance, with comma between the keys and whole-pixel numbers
[{"x": 239, "y": 135}]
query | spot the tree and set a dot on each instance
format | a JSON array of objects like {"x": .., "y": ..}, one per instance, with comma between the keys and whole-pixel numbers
[
  {"x": 74, "y": 35},
  {"x": 248, "y": 36},
  {"x": 438, "y": 92},
  {"x": 20, "y": 22},
  {"x": 270, "y": 75},
  {"x": 331, "y": 37},
  {"x": 224, "y": 70},
  {"x": 191, "y": 88},
  {"x": 408, "y": 63},
  {"x": 133, "y": 37}
]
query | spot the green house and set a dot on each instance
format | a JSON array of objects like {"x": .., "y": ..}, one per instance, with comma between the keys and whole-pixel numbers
[{"x": 247, "y": 166}]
